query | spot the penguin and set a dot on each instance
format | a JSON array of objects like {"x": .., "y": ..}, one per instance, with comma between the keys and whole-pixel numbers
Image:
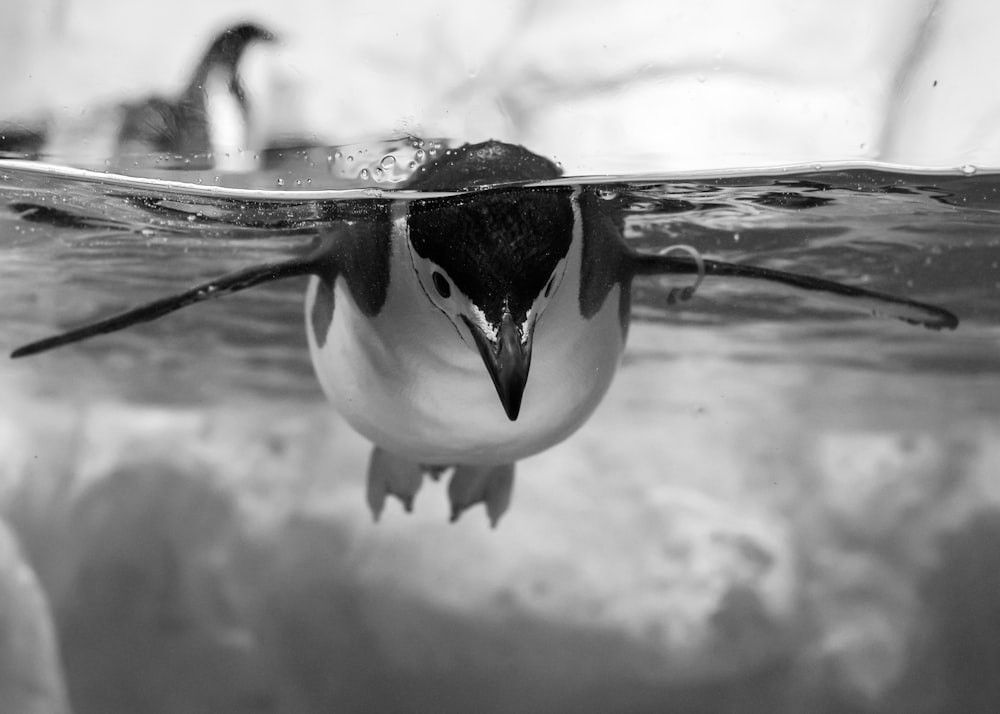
[
  {"x": 211, "y": 116},
  {"x": 462, "y": 333}
]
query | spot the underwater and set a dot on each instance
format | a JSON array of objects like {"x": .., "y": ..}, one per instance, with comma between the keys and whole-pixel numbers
[{"x": 445, "y": 425}]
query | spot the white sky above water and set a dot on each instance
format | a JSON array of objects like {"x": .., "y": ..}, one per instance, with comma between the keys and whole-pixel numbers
[{"x": 631, "y": 86}]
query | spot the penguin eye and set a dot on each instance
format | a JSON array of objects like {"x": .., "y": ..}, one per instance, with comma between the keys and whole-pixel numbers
[{"x": 441, "y": 283}]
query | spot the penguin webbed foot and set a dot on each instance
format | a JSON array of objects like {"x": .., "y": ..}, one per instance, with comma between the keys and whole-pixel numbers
[
  {"x": 490, "y": 485},
  {"x": 390, "y": 475}
]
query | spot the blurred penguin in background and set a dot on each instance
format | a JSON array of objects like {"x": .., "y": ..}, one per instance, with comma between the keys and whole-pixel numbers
[{"x": 208, "y": 124}]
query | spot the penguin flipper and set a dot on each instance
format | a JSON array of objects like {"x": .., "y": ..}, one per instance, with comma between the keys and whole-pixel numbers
[
  {"x": 320, "y": 255},
  {"x": 847, "y": 296},
  {"x": 391, "y": 475},
  {"x": 490, "y": 485}
]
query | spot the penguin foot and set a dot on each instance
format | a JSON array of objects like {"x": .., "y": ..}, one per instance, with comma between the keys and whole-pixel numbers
[
  {"x": 390, "y": 475},
  {"x": 490, "y": 485}
]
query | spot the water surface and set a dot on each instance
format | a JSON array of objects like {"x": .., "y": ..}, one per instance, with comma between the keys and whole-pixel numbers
[{"x": 79, "y": 249}]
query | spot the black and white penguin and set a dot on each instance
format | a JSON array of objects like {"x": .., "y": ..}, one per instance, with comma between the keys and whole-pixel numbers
[{"x": 209, "y": 119}]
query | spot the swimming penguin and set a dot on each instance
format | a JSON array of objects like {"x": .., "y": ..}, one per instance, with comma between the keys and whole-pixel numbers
[
  {"x": 466, "y": 332},
  {"x": 211, "y": 116}
]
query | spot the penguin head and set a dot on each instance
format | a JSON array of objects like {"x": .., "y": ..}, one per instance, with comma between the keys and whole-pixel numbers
[
  {"x": 492, "y": 263},
  {"x": 228, "y": 46}
]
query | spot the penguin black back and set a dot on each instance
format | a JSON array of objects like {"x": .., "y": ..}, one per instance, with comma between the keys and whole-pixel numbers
[{"x": 484, "y": 164}]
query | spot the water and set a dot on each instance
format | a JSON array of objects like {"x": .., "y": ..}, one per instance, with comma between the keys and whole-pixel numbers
[{"x": 780, "y": 506}]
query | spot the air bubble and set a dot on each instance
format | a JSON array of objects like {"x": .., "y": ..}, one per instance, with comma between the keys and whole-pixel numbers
[
  {"x": 606, "y": 194},
  {"x": 419, "y": 153},
  {"x": 969, "y": 170},
  {"x": 387, "y": 162},
  {"x": 281, "y": 182},
  {"x": 364, "y": 174}
]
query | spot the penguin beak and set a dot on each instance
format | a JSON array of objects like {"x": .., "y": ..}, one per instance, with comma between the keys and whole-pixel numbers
[{"x": 507, "y": 361}]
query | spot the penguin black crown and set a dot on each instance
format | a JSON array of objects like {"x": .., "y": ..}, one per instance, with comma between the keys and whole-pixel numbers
[{"x": 466, "y": 332}]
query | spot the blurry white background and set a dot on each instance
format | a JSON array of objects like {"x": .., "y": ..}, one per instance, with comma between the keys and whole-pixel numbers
[{"x": 603, "y": 87}]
